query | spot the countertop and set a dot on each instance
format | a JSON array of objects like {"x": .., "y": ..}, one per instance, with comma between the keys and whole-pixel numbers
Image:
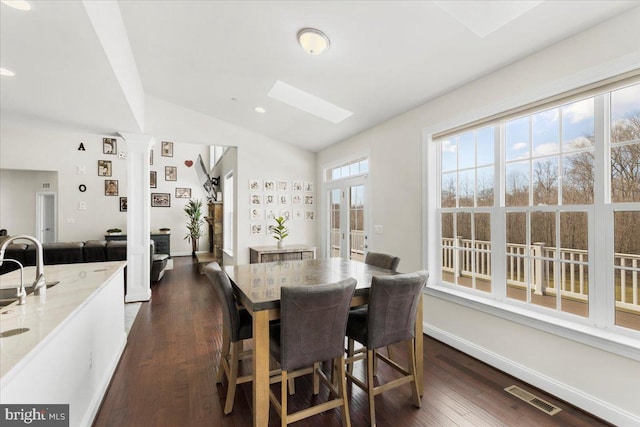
[{"x": 43, "y": 315}]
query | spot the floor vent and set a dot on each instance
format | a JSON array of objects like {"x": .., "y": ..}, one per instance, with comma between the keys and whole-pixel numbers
[{"x": 533, "y": 400}]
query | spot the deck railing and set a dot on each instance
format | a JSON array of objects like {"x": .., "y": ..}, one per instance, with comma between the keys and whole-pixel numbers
[
  {"x": 356, "y": 238},
  {"x": 536, "y": 268}
]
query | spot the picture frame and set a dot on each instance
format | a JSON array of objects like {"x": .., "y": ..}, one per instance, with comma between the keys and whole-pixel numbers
[
  {"x": 286, "y": 214},
  {"x": 255, "y": 185},
  {"x": 270, "y": 199},
  {"x": 256, "y": 199},
  {"x": 308, "y": 187},
  {"x": 309, "y": 215},
  {"x": 167, "y": 149},
  {"x": 170, "y": 173},
  {"x": 308, "y": 199},
  {"x": 283, "y": 185},
  {"x": 104, "y": 167},
  {"x": 161, "y": 200},
  {"x": 109, "y": 146},
  {"x": 183, "y": 193},
  {"x": 255, "y": 214},
  {"x": 284, "y": 199},
  {"x": 297, "y": 186},
  {"x": 153, "y": 179},
  {"x": 110, "y": 187},
  {"x": 256, "y": 229},
  {"x": 271, "y": 214},
  {"x": 296, "y": 199},
  {"x": 298, "y": 214},
  {"x": 150, "y": 157},
  {"x": 269, "y": 185},
  {"x": 123, "y": 204}
]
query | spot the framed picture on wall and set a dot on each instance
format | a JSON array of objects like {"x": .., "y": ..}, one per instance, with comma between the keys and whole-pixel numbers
[
  {"x": 123, "y": 204},
  {"x": 150, "y": 157},
  {"x": 153, "y": 179},
  {"x": 109, "y": 146},
  {"x": 110, "y": 187},
  {"x": 104, "y": 167},
  {"x": 170, "y": 173},
  {"x": 255, "y": 185},
  {"x": 183, "y": 193},
  {"x": 167, "y": 149},
  {"x": 162, "y": 200}
]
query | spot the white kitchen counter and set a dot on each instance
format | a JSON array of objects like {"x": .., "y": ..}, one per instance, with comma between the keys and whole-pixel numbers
[{"x": 75, "y": 339}]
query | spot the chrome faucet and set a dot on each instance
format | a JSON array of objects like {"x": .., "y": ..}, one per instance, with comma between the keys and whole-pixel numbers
[{"x": 39, "y": 285}]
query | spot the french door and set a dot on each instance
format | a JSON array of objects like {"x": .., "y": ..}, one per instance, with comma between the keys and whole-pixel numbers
[{"x": 347, "y": 220}]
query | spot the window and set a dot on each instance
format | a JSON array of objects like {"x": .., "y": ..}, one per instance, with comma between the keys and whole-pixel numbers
[
  {"x": 545, "y": 192},
  {"x": 228, "y": 211},
  {"x": 346, "y": 170}
]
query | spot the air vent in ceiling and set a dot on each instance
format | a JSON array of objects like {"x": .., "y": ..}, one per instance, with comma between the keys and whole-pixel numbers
[{"x": 533, "y": 400}]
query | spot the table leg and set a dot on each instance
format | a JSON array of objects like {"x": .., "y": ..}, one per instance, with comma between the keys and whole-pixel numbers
[
  {"x": 419, "y": 348},
  {"x": 261, "y": 368}
]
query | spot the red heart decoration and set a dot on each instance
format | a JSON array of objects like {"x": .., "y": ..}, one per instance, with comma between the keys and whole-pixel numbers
[{"x": 189, "y": 163}]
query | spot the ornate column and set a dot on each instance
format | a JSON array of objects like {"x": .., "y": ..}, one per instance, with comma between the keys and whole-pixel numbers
[{"x": 138, "y": 222}]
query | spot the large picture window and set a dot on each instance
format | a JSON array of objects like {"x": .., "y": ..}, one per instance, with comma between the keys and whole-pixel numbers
[{"x": 543, "y": 179}]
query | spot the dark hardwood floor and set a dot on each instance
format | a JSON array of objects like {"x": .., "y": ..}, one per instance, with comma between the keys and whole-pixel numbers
[{"x": 166, "y": 376}]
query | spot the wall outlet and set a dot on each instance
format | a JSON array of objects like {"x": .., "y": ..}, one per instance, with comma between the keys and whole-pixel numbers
[
  {"x": 378, "y": 229},
  {"x": 71, "y": 220},
  {"x": 82, "y": 206}
]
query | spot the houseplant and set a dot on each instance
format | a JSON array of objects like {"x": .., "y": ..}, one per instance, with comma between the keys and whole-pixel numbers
[
  {"x": 193, "y": 210},
  {"x": 280, "y": 231}
]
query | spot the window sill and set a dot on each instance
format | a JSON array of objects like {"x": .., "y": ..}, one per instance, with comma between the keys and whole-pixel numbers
[
  {"x": 228, "y": 252},
  {"x": 609, "y": 341}
]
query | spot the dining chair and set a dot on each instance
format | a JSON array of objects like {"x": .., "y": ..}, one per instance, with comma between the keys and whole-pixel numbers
[
  {"x": 381, "y": 260},
  {"x": 312, "y": 327},
  {"x": 237, "y": 327},
  {"x": 389, "y": 318}
]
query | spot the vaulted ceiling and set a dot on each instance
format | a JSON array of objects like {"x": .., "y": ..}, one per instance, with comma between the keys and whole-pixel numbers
[{"x": 222, "y": 58}]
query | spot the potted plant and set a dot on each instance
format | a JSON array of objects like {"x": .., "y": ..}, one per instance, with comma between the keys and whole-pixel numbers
[
  {"x": 193, "y": 210},
  {"x": 114, "y": 232},
  {"x": 280, "y": 231}
]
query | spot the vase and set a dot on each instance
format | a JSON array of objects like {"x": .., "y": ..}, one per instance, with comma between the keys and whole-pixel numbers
[{"x": 280, "y": 244}]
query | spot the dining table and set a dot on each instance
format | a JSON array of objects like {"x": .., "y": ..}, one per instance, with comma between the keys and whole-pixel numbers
[{"x": 257, "y": 287}]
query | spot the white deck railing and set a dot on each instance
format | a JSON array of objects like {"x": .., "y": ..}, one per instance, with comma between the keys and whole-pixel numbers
[
  {"x": 357, "y": 241},
  {"x": 464, "y": 257}
]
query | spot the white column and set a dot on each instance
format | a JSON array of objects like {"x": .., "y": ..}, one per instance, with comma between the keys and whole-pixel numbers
[{"x": 138, "y": 222}]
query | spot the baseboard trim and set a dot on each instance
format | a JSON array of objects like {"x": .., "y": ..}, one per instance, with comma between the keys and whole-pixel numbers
[{"x": 576, "y": 397}]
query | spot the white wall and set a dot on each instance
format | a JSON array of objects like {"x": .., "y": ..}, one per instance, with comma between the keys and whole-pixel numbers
[
  {"x": 31, "y": 147},
  {"x": 602, "y": 383},
  {"x": 258, "y": 157},
  {"x": 18, "y": 189}
]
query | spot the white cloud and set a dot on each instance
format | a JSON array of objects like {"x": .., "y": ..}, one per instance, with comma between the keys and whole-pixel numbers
[
  {"x": 578, "y": 111},
  {"x": 519, "y": 146},
  {"x": 448, "y": 146},
  {"x": 546, "y": 149}
]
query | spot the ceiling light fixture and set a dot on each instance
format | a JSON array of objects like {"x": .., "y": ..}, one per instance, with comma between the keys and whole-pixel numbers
[
  {"x": 17, "y": 4},
  {"x": 313, "y": 41},
  {"x": 6, "y": 73},
  {"x": 260, "y": 110}
]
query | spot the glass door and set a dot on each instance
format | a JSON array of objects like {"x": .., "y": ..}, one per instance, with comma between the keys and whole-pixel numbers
[{"x": 347, "y": 224}]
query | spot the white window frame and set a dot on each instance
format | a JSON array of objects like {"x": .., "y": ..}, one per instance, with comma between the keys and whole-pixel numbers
[
  {"x": 228, "y": 214},
  {"x": 598, "y": 330}
]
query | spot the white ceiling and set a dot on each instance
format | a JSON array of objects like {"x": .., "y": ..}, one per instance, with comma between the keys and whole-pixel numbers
[{"x": 386, "y": 57}]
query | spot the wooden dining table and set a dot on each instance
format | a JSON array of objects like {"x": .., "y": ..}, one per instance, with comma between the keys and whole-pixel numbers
[{"x": 257, "y": 287}]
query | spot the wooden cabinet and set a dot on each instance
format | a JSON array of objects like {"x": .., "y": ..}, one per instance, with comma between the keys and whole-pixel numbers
[
  {"x": 214, "y": 219},
  {"x": 162, "y": 241},
  {"x": 258, "y": 254}
]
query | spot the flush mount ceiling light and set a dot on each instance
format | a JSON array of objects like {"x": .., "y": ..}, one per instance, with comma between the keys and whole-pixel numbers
[
  {"x": 17, "y": 4},
  {"x": 6, "y": 73},
  {"x": 260, "y": 110},
  {"x": 313, "y": 41}
]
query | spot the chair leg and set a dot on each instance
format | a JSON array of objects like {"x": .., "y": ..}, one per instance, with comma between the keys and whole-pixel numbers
[
  {"x": 316, "y": 378},
  {"x": 283, "y": 399},
  {"x": 342, "y": 388},
  {"x": 350, "y": 346},
  {"x": 371, "y": 354},
  {"x": 224, "y": 353},
  {"x": 412, "y": 370},
  {"x": 233, "y": 376},
  {"x": 292, "y": 386}
]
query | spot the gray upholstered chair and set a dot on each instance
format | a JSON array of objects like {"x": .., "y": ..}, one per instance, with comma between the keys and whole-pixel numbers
[
  {"x": 389, "y": 318},
  {"x": 389, "y": 262},
  {"x": 236, "y": 328},
  {"x": 312, "y": 327}
]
